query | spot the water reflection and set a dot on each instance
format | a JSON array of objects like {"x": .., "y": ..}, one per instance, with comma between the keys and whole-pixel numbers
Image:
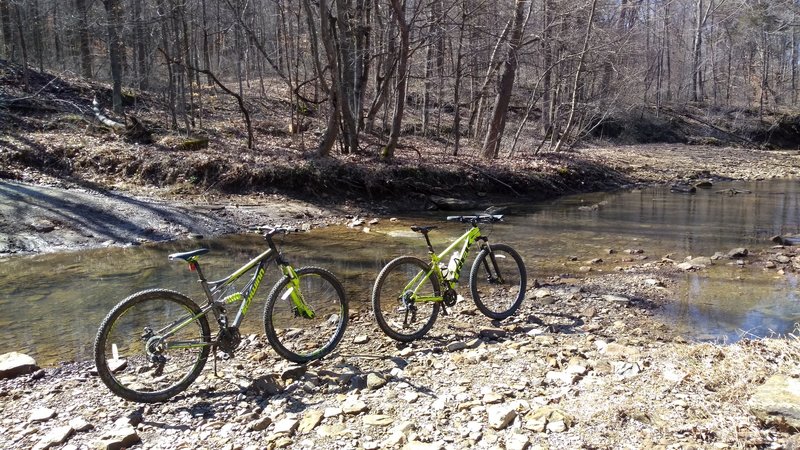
[{"x": 51, "y": 305}]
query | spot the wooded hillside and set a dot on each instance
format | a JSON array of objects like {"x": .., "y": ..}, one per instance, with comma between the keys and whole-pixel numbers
[{"x": 508, "y": 76}]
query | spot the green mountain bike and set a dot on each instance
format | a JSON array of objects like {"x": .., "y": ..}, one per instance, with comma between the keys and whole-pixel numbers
[
  {"x": 409, "y": 291},
  {"x": 154, "y": 344}
]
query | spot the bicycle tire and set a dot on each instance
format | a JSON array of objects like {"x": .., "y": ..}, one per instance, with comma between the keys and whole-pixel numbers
[
  {"x": 285, "y": 329},
  {"x": 485, "y": 289},
  {"x": 387, "y": 293},
  {"x": 121, "y": 334}
]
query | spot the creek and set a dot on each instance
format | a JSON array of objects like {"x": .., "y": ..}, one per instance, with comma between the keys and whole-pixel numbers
[{"x": 51, "y": 305}]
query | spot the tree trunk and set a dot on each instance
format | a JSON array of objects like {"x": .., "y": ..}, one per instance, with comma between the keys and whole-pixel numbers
[
  {"x": 494, "y": 135},
  {"x": 115, "y": 49},
  {"x": 576, "y": 83},
  {"x": 402, "y": 79},
  {"x": 84, "y": 45},
  {"x": 8, "y": 32}
]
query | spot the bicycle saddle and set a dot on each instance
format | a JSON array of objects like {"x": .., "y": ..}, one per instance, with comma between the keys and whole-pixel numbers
[
  {"x": 186, "y": 255},
  {"x": 424, "y": 229}
]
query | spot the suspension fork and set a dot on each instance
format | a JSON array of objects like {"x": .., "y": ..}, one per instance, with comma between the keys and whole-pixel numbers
[
  {"x": 493, "y": 277},
  {"x": 294, "y": 294}
]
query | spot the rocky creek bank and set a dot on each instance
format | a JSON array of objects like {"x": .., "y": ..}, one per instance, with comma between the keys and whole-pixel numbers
[{"x": 585, "y": 363}]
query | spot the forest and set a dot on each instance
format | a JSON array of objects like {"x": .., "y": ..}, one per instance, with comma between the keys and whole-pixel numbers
[{"x": 502, "y": 76}]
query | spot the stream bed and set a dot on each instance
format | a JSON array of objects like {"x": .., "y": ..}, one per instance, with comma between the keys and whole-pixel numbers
[{"x": 51, "y": 305}]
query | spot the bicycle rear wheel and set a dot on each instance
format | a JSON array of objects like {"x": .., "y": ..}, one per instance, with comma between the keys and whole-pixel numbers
[
  {"x": 296, "y": 336},
  {"x": 396, "y": 312},
  {"x": 498, "y": 284},
  {"x": 152, "y": 345}
]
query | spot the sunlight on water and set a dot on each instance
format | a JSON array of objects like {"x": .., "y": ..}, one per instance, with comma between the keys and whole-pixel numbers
[{"x": 52, "y": 305}]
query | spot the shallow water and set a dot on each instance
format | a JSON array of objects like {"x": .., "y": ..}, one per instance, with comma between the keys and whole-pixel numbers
[{"x": 52, "y": 305}]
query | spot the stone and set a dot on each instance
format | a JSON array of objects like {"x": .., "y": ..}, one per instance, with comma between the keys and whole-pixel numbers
[
  {"x": 616, "y": 299},
  {"x": 332, "y": 411},
  {"x": 739, "y": 252},
  {"x": 500, "y": 416},
  {"x": 286, "y": 426},
  {"x": 54, "y": 437},
  {"x": 563, "y": 378},
  {"x": 417, "y": 445},
  {"x": 267, "y": 385},
  {"x": 260, "y": 424},
  {"x": 777, "y": 401},
  {"x": 294, "y": 373},
  {"x": 80, "y": 424},
  {"x": 379, "y": 420},
  {"x": 456, "y": 346},
  {"x": 624, "y": 369},
  {"x": 491, "y": 398},
  {"x": 310, "y": 420},
  {"x": 14, "y": 364},
  {"x": 492, "y": 332},
  {"x": 118, "y": 438},
  {"x": 41, "y": 415},
  {"x": 686, "y": 266},
  {"x": 361, "y": 339},
  {"x": 375, "y": 381},
  {"x": 354, "y": 406},
  {"x": 541, "y": 419},
  {"x": 517, "y": 441}
]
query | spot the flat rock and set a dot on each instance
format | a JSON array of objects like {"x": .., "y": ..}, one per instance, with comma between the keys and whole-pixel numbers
[
  {"x": 777, "y": 401},
  {"x": 54, "y": 437},
  {"x": 500, "y": 416},
  {"x": 41, "y": 414},
  {"x": 14, "y": 364},
  {"x": 310, "y": 420},
  {"x": 379, "y": 420}
]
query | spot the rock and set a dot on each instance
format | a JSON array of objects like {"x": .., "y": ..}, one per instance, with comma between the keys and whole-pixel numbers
[
  {"x": 616, "y": 299},
  {"x": 14, "y": 364},
  {"x": 563, "y": 378},
  {"x": 452, "y": 204},
  {"x": 500, "y": 416},
  {"x": 493, "y": 332},
  {"x": 517, "y": 442},
  {"x": 701, "y": 261},
  {"x": 541, "y": 420},
  {"x": 491, "y": 398},
  {"x": 379, "y": 420},
  {"x": 777, "y": 401},
  {"x": 54, "y": 437},
  {"x": 293, "y": 373},
  {"x": 687, "y": 266},
  {"x": 624, "y": 369},
  {"x": 456, "y": 346},
  {"x": 260, "y": 424},
  {"x": 41, "y": 415},
  {"x": 354, "y": 406},
  {"x": 80, "y": 424},
  {"x": 417, "y": 445},
  {"x": 361, "y": 339},
  {"x": 738, "y": 253},
  {"x": 286, "y": 426},
  {"x": 375, "y": 381},
  {"x": 310, "y": 420},
  {"x": 267, "y": 385},
  {"x": 118, "y": 438}
]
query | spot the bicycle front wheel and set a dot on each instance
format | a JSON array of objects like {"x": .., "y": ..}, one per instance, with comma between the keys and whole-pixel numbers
[
  {"x": 311, "y": 330},
  {"x": 152, "y": 345},
  {"x": 395, "y": 294},
  {"x": 498, "y": 281}
]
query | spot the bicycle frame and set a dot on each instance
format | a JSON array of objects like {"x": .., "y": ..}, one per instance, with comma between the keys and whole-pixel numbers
[
  {"x": 215, "y": 289},
  {"x": 465, "y": 241}
]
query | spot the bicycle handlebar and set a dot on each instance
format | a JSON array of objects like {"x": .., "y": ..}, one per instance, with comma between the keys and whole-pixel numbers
[
  {"x": 485, "y": 218},
  {"x": 271, "y": 231}
]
